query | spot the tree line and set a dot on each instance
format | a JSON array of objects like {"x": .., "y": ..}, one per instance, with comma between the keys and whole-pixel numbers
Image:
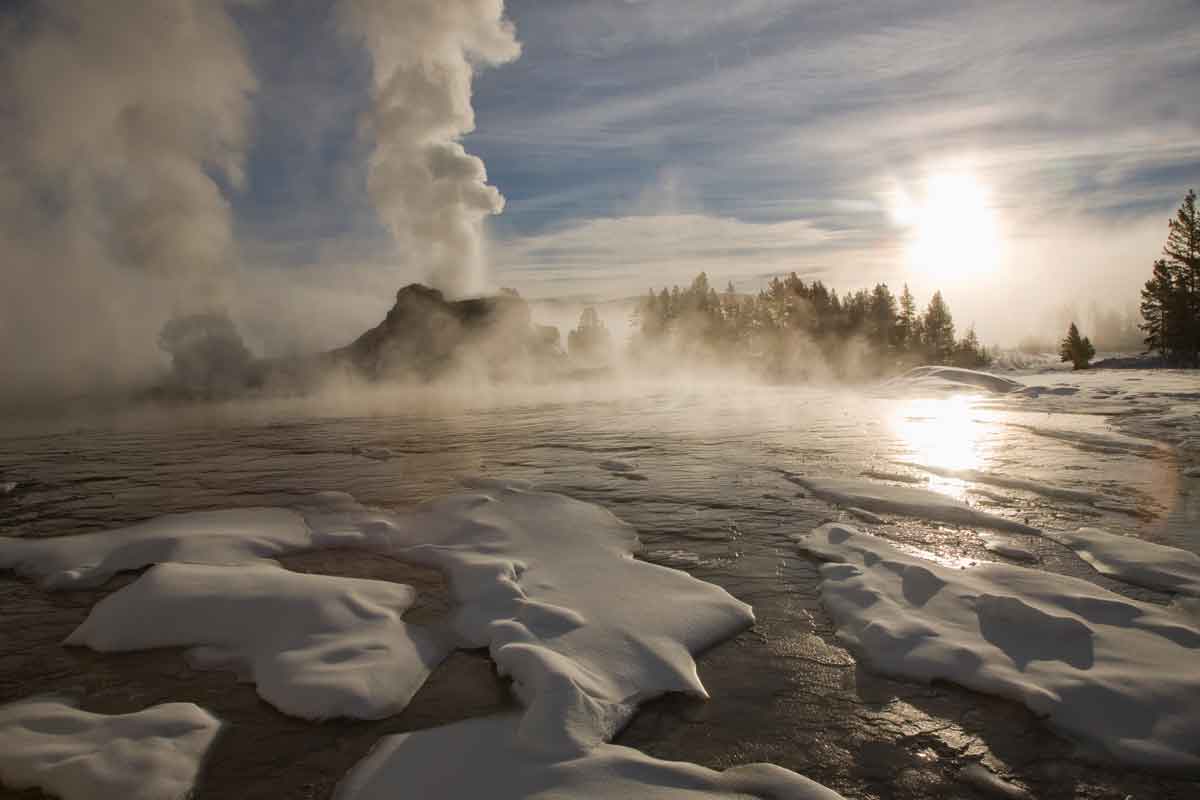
[
  {"x": 782, "y": 327},
  {"x": 1171, "y": 298}
]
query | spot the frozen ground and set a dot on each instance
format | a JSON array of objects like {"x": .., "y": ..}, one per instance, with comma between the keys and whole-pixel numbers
[{"x": 712, "y": 497}]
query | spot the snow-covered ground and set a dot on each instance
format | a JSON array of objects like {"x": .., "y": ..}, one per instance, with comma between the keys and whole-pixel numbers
[
  {"x": 153, "y": 754},
  {"x": 1117, "y": 675},
  {"x": 431, "y": 764},
  {"x": 939, "y": 484}
]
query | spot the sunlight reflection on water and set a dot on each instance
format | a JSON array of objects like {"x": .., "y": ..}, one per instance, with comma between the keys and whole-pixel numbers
[{"x": 946, "y": 433}]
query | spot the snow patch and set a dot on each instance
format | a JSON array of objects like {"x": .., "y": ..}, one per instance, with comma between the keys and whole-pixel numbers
[
  {"x": 1094, "y": 442},
  {"x": 862, "y": 515},
  {"x": 956, "y": 378},
  {"x": 907, "y": 500},
  {"x": 1136, "y": 561},
  {"x": 550, "y": 585},
  {"x": 431, "y": 763},
  {"x": 1113, "y": 673},
  {"x": 153, "y": 754},
  {"x": 209, "y": 537},
  {"x": 6, "y": 487},
  {"x": 316, "y": 646},
  {"x": 1008, "y": 547}
]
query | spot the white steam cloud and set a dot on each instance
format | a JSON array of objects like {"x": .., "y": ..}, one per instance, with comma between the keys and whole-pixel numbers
[
  {"x": 431, "y": 193},
  {"x": 120, "y": 117}
]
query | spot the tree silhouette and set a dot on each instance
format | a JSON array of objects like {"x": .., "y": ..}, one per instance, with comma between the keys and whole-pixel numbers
[
  {"x": 1171, "y": 298},
  {"x": 591, "y": 340},
  {"x": 791, "y": 323},
  {"x": 1078, "y": 350},
  {"x": 938, "y": 327}
]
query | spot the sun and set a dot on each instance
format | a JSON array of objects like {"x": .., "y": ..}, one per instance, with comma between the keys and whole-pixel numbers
[{"x": 951, "y": 225}]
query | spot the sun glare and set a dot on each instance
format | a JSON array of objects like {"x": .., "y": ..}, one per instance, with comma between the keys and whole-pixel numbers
[
  {"x": 952, "y": 227},
  {"x": 942, "y": 433}
]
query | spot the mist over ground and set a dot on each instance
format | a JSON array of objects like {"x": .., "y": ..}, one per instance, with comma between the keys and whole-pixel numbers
[{"x": 289, "y": 171}]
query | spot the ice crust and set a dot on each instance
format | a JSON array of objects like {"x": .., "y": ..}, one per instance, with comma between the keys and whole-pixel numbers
[
  {"x": 1136, "y": 561},
  {"x": 906, "y": 500},
  {"x": 1117, "y": 675},
  {"x": 430, "y": 764},
  {"x": 230, "y": 536},
  {"x": 153, "y": 754},
  {"x": 316, "y": 646}
]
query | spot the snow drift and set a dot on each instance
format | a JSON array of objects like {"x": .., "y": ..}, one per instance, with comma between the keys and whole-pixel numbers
[
  {"x": 1116, "y": 675},
  {"x": 153, "y": 754},
  {"x": 430, "y": 764},
  {"x": 316, "y": 646}
]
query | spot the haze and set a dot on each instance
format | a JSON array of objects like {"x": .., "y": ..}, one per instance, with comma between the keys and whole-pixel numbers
[{"x": 293, "y": 167}]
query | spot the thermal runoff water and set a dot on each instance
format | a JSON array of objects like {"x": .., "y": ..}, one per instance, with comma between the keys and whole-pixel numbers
[{"x": 948, "y": 584}]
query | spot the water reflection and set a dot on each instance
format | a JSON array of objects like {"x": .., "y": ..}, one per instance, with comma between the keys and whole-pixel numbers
[{"x": 945, "y": 433}]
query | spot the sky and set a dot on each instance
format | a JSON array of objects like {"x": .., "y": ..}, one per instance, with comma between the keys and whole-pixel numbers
[
  {"x": 1018, "y": 156},
  {"x": 637, "y": 143}
]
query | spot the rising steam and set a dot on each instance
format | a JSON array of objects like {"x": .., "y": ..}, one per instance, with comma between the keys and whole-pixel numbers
[
  {"x": 431, "y": 193},
  {"x": 120, "y": 118}
]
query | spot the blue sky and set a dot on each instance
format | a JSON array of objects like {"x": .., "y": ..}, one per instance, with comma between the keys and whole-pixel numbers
[{"x": 638, "y": 142}]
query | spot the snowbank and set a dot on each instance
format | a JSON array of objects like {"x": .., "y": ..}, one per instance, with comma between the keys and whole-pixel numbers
[
  {"x": 209, "y": 537},
  {"x": 1136, "y": 561},
  {"x": 153, "y": 754},
  {"x": 550, "y": 586},
  {"x": 1007, "y": 547},
  {"x": 955, "y": 378},
  {"x": 317, "y": 646},
  {"x": 434, "y": 764},
  {"x": 907, "y": 500},
  {"x": 548, "y": 583},
  {"x": 1113, "y": 673},
  {"x": 1095, "y": 442}
]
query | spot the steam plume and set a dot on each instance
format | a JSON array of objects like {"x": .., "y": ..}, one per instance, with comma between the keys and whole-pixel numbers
[
  {"x": 118, "y": 115},
  {"x": 432, "y": 194}
]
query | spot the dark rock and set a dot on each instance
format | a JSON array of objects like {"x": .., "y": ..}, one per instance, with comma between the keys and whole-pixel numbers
[{"x": 425, "y": 335}]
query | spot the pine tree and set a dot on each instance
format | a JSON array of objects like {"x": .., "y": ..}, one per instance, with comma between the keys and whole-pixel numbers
[
  {"x": 938, "y": 326},
  {"x": 1158, "y": 299},
  {"x": 1078, "y": 350},
  {"x": 1171, "y": 298},
  {"x": 1182, "y": 256},
  {"x": 882, "y": 316},
  {"x": 906, "y": 322}
]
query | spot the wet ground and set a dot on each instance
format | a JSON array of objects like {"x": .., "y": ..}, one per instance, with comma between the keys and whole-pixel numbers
[{"x": 702, "y": 477}]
